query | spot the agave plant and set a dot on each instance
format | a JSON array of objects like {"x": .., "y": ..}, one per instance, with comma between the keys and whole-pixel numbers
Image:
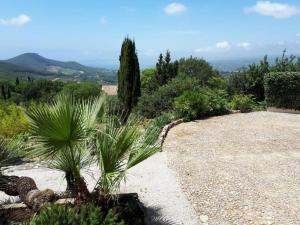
[
  {"x": 118, "y": 148},
  {"x": 61, "y": 132}
]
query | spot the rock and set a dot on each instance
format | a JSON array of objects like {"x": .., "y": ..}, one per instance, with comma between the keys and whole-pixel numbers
[{"x": 204, "y": 218}]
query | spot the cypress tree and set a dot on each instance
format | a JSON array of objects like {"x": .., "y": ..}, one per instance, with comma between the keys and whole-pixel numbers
[
  {"x": 3, "y": 91},
  {"x": 129, "y": 84},
  {"x": 17, "y": 81}
]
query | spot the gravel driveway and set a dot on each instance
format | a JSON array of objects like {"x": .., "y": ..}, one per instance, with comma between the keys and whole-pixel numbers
[{"x": 239, "y": 169}]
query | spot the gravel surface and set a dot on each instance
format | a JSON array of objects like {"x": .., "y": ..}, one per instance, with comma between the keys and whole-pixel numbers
[
  {"x": 239, "y": 169},
  {"x": 155, "y": 183}
]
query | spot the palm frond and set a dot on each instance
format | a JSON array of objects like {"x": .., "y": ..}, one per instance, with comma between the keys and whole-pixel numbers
[
  {"x": 118, "y": 148},
  {"x": 62, "y": 130}
]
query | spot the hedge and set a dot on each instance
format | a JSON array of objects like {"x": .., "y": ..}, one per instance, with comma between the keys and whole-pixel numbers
[{"x": 282, "y": 90}]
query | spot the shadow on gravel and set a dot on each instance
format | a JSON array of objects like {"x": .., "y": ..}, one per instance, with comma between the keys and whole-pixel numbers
[{"x": 154, "y": 217}]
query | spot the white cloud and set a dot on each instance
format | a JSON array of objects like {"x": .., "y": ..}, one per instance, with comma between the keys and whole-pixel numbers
[
  {"x": 245, "y": 45},
  {"x": 175, "y": 8},
  {"x": 16, "y": 21},
  {"x": 276, "y": 10},
  {"x": 200, "y": 50},
  {"x": 298, "y": 35},
  {"x": 103, "y": 20},
  {"x": 223, "y": 45}
]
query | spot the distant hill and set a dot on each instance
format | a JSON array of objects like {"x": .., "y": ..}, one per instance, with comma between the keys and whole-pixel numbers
[{"x": 35, "y": 65}]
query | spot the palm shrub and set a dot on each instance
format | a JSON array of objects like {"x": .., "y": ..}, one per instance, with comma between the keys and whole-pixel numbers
[
  {"x": 119, "y": 147},
  {"x": 61, "y": 131}
]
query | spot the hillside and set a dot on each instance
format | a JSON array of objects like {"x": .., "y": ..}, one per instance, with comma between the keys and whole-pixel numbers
[{"x": 35, "y": 65}]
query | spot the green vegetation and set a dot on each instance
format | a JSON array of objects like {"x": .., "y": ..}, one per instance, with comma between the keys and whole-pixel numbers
[
  {"x": 13, "y": 120},
  {"x": 85, "y": 215},
  {"x": 82, "y": 90},
  {"x": 283, "y": 90},
  {"x": 243, "y": 103},
  {"x": 129, "y": 84}
]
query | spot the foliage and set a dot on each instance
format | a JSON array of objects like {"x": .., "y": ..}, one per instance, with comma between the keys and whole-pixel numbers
[
  {"x": 129, "y": 84},
  {"x": 119, "y": 148},
  {"x": 153, "y": 105},
  {"x": 13, "y": 120},
  {"x": 61, "y": 130},
  {"x": 286, "y": 63},
  {"x": 250, "y": 80},
  {"x": 148, "y": 81},
  {"x": 283, "y": 90},
  {"x": 11, "y": 152},
  {"x": 244, "y": 103},
  {"x": 82, "y": 90},
  {"x": 191, "y": 105},
  {"x": 196, "y": 67},
  {"x": 66, "y": 215},
  {"x": 37, "y": 90},
  {"x": 217, "y": 83},
  {"x": 165, "y": 69},
  {"x": 200, "y": 103},
  {"x": 217, "y": 102}
]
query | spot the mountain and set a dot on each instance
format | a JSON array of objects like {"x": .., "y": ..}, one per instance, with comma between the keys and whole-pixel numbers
[{"x": 38, "y": 65}]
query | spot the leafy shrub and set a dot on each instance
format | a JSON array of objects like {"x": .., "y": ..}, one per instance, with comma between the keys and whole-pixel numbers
[
  {"x": 243, "y": 103},
  {"x": 195, "y": 67},
  {"x": 82, "y": 90},
  {"x": 283, "y": 90},
  {"x": 13, "y": 120},
  {"x": 66, "y": 215},
  {"x": 200, "y": 103},
  {"x": 191, "y": 105},
  {"x": 217, "y": 102},
  {"x": 152, "y": 105}
]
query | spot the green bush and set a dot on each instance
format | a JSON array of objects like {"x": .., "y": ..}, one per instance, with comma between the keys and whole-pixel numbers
[
  {"x": 244, "y": 103},
  {"x": 283, "y": 90},
  {"x": 152, "y": 105},
  {"x": 217, "y": 102},
  {"x": 82, "y": 90},
  {"x": 13, "y": 120},
  {"x": 201, "y": 103},
  {"x": 192, "y": 105},
  {"x": 67, "y": 215}
]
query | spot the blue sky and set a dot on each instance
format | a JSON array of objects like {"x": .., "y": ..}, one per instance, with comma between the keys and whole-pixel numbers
[{"x": 91, "y": 31}]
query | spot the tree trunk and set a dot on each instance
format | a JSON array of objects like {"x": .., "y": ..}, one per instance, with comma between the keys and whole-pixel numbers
[
  {"x": 26, "y": 188},
  {"x": 82, "y": 193}
]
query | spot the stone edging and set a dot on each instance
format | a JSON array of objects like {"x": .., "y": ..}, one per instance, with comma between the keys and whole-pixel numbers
[{"x": 165, "y": 130}]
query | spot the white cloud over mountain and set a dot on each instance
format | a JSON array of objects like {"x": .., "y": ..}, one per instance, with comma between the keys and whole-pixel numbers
[{"x": 223, "y": 45}]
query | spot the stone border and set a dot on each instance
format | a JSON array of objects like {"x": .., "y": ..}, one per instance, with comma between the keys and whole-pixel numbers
[
  {"x": 281, "y": 110},
  {"x": 165, "y": 130}
]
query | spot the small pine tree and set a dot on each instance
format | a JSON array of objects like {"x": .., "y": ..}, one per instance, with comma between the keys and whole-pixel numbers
[{"x": 129, "y": 84}]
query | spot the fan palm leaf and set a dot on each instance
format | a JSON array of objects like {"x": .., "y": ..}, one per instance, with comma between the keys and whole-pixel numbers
[
  {"x": 119, "y": 147},
  {"x": 62, "y": 129}
]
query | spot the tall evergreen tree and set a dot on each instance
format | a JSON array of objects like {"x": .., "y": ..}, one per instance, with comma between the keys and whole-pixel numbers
[
  {"x": 165, "y": 69},
  {"x": 3, "y": 91},
  {"x": 17, "y": 81},
  {"x": 129, "y": 84}
]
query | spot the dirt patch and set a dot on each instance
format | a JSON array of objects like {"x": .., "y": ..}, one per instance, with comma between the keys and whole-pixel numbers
[{"x": 240, "y": 168}]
